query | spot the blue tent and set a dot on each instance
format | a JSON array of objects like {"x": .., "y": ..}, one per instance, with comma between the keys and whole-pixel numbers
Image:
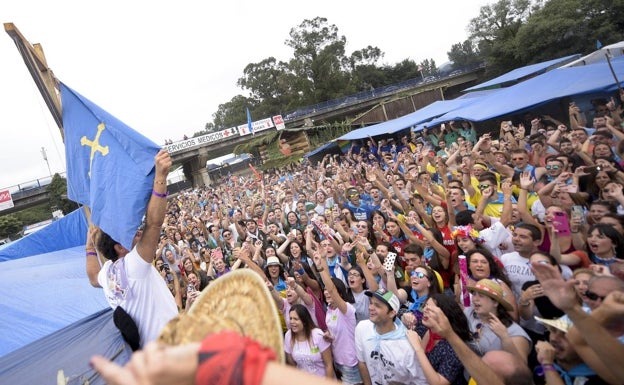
[
  {"x": 523, "y": 72},
  {"x": 51, "y": 317},
  {"x": 532, "y": 93},
  {"x": 424, "y": 114}
]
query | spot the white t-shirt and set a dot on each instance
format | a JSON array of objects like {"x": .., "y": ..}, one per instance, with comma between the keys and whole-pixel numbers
[
  {"x": 387, "y": 360},
  {"x": 494, "y": 236},
  {"x": 362, "y": 301},
  {"x": 519, "y": 271},
  {"x": 135, "y": 285}
]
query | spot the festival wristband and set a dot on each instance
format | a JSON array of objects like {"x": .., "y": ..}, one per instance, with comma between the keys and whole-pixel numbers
[
  {"x": 91, "y": 253},
  {"x": 157, "y": 194}
]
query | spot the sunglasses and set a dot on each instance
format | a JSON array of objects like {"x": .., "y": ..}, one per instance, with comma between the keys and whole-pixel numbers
[
  {"x": 418, "y": 274},
  {"x": 483, "y": 186},
  {"x": 353, "y": 195},
  {"x": 361, "y": 226},
  {"x": 593, "y": 296},
  {"x": 553, "y": 167},
  {"x": 542, "y": 262}
]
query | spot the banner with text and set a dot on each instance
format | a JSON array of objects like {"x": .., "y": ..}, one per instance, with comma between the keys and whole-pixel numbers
[
  {"x": 258, "y": 125},
  {"x": 279, "y": 122},
  {"x": 6, "y": 200},
  {"x": 200, "y": 140}
]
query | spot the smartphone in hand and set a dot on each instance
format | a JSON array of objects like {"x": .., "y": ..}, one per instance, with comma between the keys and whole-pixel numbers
[
  {"x": 389, "y": 261},
  {"x": 561, "y": 223}
]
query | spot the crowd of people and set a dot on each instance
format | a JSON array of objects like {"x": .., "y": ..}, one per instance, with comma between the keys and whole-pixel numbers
[{"x": 436, "y": 257}]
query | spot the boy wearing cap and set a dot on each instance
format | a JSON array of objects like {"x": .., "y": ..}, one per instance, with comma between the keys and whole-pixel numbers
[{"x": 383, "y": 350}]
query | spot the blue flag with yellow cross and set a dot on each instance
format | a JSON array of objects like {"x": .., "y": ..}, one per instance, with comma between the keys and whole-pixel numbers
[{"x": 110, "y": 166}]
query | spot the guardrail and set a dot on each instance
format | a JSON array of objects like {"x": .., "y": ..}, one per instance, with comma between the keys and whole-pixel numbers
[
  {"x": 374, "y": 93},
  {"x": 30, "y": 187}
]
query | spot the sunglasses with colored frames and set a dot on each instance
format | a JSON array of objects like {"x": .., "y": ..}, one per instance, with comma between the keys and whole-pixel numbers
[
  {"x": 483, "y": 186},
  {"x": 418, "y": 274},
  {"x": 353, "y": 195},
  {"x": 593, "y": 296},
  {"x": 553, "y": 167}
]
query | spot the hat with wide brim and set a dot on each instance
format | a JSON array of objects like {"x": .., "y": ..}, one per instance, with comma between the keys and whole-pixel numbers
[
  {"x": 562, "y": 323},
  {"x": 238, "y": 301},
  {"x": 492, "y": 289}
]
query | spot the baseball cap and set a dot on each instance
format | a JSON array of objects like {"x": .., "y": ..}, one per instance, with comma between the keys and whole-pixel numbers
[{"x": 387, "y": 297}]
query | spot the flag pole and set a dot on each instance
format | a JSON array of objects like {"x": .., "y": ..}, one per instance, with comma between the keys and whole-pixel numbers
[
  {"x": 617, "y": 82},
  {"x": 44, "y": 78}
]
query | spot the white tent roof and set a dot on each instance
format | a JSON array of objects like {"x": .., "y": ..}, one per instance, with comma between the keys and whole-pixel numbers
[{"x": 616, "y": 49}]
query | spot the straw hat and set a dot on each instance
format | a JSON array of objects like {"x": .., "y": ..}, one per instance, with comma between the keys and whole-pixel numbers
[
  {"x": 238, "y": 301},
  {"x": 491, "y": 289},
  {"x": 273, "y": 261},
  {"x": 562, "y": 323}
]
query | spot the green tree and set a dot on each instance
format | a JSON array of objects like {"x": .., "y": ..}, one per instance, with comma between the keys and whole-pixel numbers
[
  {"x": 565, "y": 27},
  {"x": 9, "y": 225},
  {"x": 319, "y": 55},
  {"x": 428, "y": 67},
  {"x": 494, "y": 32},
  {"x": 232, "y": 113},
  {"x": 464, "y": 54},
  {"x": 270, "y": 83},
  {"x": 57, "y": 191}
]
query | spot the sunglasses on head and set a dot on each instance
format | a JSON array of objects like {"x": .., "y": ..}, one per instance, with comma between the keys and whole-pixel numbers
[
  {"x": 418, "y": 274},
  {"x": 593, "y": 296}
]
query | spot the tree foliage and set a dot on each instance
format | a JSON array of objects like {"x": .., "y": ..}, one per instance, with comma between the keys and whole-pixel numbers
[
  {"x": 564, "y": 27},
  {"x": 505, "y": 35},
  {"x": 494, "y": 31},
  {"x": 9, "y": 225},
  {"x": 428, "y": 67},
  {"x": 57, "y": 191},
  {"x": 464, "y": 54}
]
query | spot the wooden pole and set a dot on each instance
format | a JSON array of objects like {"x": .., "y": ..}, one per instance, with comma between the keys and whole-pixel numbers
[{"x": 44, "y": 78}]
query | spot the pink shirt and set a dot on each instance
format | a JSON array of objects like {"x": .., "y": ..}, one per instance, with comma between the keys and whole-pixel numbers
[
  {"x": 307, "y": 354},
  {"x": 342, "y": 328},
  {"x": 286, "y": 312}
]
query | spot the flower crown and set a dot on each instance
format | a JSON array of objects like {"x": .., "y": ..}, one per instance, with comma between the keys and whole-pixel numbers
[{"x": 467, "y": 232}]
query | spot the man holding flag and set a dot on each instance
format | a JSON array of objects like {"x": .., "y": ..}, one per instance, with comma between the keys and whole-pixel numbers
[
  {"x": 131, "y": 284},
  {"x": 110, "y": 169}
]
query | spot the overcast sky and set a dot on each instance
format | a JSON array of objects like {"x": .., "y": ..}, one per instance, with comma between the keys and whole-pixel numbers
[{"x": 163, "y": 68}]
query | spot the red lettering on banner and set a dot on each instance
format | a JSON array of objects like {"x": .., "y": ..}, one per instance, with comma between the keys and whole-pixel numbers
[{"x": 5, "y": 196}]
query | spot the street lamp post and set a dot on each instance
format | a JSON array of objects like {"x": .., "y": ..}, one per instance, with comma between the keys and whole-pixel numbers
[{"x": 45, "y": 157}]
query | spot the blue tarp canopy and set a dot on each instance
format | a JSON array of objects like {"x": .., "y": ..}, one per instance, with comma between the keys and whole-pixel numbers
[
  {"x": 325, "y": 147},
  {"x": 51, "y": 316},
  {"x": 522, "y": 72},
  {"x": 426, "y": 113},
  {"x": 550, "y": 86},
  {"x": 70, "y": 231}
]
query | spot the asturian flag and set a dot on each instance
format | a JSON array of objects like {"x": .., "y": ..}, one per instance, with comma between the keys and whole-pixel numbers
[{"x": 110, "y": 167}]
